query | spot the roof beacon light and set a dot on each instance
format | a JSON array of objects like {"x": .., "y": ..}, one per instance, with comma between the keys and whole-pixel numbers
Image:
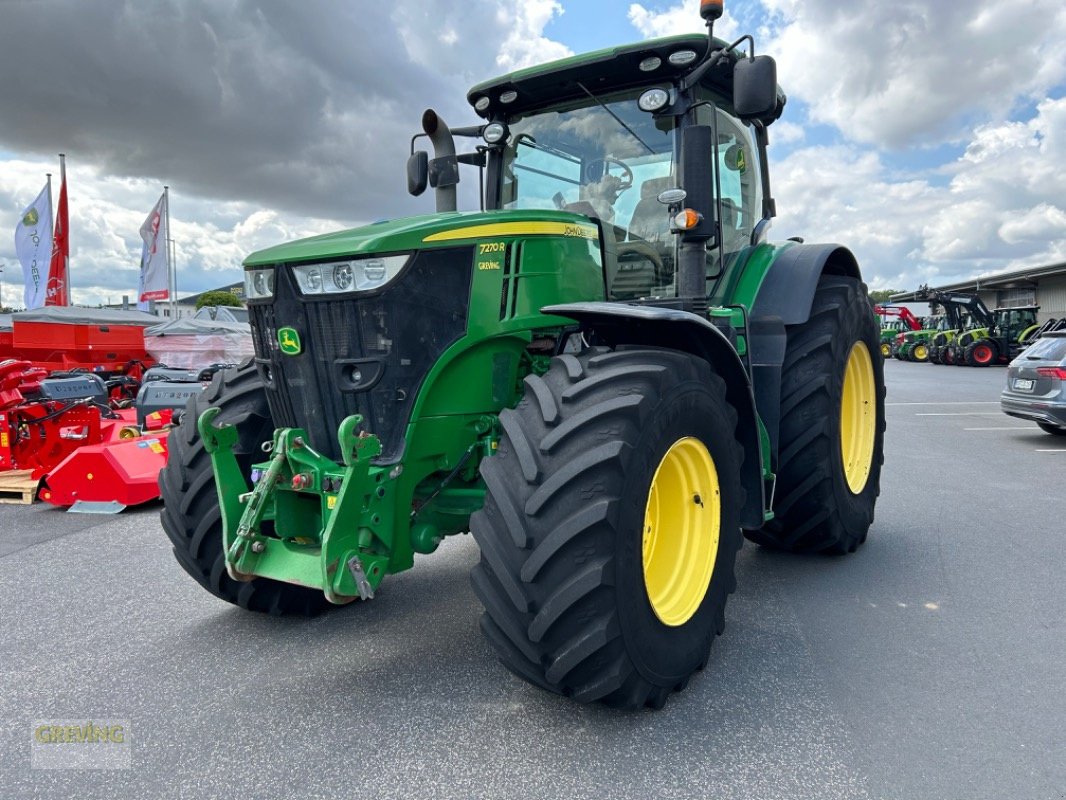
[{"x": 711, "y": 10}]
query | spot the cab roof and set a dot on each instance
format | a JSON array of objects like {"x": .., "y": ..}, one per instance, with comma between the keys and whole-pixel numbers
[{"x": 602, "y": 71}]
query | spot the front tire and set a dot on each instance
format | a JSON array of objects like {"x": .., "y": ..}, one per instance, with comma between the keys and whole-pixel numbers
[
  {"x": 191, "y": 516},
  {"x": 601, "y": 578},
  {"x": 980, "y": 354},
  {"x": 831, "y": 442}
]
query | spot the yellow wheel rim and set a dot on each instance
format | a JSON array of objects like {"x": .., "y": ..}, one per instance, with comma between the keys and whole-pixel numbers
[
  {"x": 682, "y": 522},
  {"x": 858, "y": 418},
  {"x": 886, "y": 350},
  {"x": 920, "y": 352}
]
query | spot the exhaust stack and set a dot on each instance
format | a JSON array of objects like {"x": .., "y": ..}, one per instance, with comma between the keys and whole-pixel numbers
[{"x": 444, "y": 167}]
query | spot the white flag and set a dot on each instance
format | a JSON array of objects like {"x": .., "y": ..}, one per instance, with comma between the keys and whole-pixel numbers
[
  {"x": 33, "y": 245},
  {"x": 155, "y": 277}
]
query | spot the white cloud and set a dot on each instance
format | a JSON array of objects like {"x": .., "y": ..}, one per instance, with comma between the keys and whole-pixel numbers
[
  {"x": 1000, "y": 209},
  {"x": 525, "y": 44},
  {"x": 681, "y": 18},
  {"x": 912, "y": 73}
]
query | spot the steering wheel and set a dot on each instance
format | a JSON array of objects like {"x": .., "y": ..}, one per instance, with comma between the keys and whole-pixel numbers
[
  {"x": 644, "y": 250},
  {"x": 626, "y": 181}
]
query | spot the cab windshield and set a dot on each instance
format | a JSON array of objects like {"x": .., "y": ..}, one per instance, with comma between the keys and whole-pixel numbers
[{"x": 608, "y": 162}]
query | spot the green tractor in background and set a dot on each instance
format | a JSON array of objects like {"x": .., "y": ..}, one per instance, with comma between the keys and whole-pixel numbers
[
  {"x": 608, "y": 375},
  {"x": 914, "y": 345},
  {"x": 995, "y": 337},
  {"x": 896, "y": 320},
  {"x": 1012, "y": 330},
  {"x": 963, "y": 312}
]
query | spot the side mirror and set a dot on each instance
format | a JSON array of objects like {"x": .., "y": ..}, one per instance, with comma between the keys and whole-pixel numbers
[
  {"x": 755, "y": 89},
  {"x": 417, "y": 172},
  {"x": 697, "y": 179}
]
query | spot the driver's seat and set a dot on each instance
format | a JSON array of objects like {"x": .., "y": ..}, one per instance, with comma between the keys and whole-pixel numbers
[
  {"x": 651, "y": 220},
  {"x": 636, "y": 275}
]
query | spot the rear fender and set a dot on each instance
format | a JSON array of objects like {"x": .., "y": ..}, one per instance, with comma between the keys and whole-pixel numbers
[
  {"x": 617, "y": 324},
  {"x": 785, "y": 298}
]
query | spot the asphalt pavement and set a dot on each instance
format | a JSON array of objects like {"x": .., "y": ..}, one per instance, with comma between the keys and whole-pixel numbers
[{"x": 930, "y": 664}]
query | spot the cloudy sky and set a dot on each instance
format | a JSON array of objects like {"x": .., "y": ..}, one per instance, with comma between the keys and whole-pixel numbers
[{"x": 928, "y": 135}]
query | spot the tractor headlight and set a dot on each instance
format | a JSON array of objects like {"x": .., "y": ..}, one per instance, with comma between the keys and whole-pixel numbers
[
  {"x": 358, "y": 275},
  {"x": 258, "y": 284}
]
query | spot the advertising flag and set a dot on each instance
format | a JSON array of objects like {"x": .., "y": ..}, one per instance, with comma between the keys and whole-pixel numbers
[
  {"x": 154, "y": 272},
  {"x": 33, "y": 245},
  {"x": 58, "y": 292}
]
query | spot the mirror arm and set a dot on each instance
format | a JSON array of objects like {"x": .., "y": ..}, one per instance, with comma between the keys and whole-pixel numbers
[
  {"x": 762, "y": 139},
  {"x": 708, "y": 63}
]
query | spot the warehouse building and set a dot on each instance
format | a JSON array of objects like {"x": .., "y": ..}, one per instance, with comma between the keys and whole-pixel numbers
[{"x": 1040, "y": 286}]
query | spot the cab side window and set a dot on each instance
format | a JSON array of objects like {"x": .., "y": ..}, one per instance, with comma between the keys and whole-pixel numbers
[{"x": 738, "y": 177}]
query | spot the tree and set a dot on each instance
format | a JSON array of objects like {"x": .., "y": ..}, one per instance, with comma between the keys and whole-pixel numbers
[
  {"x": 882, "y": 295},
  {"x": 218, "y": 297}
]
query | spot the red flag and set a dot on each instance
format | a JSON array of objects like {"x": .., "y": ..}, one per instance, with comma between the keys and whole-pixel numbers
[{"x": 58, "y": 293}]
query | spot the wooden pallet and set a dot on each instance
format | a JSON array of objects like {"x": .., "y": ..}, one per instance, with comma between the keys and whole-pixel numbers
[{"x": 16, "y": 486}]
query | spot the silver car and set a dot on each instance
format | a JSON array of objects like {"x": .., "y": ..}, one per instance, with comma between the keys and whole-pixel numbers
[{"x": 1036, "y": 384}]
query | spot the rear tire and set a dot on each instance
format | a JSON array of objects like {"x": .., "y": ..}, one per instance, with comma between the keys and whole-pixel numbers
[
  {"x": 191, "y": 516},
  {"x": 815, "y": 509},
  {"x": 563, "y": 534},
  {"x": 1052, "y": 429}
]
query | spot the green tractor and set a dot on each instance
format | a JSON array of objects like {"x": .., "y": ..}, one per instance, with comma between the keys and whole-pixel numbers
[
  {"x": 1012, "y": 330},
  {"x": 609, "y": 375},
  {"x": 914, "y": 345},
  {"x": 995, "y": 337}
]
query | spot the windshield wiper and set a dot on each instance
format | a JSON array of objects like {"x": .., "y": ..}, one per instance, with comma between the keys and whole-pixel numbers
[{"x": 618, "y": 119}]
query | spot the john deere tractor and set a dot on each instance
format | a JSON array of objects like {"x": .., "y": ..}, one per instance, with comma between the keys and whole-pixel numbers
[
  {"x": 914, "y": 344},
  {"x": 609, "y": 375}
]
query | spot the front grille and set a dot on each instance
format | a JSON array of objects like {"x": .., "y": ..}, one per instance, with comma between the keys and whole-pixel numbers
[{"x": 362, "y": 354}]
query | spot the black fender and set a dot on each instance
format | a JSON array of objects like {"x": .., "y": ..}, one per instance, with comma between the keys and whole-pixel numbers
[
  {"x": 618, "y": 323},
  {"x": 785, "y": 298},
  {"x": 787, "y": 290}
]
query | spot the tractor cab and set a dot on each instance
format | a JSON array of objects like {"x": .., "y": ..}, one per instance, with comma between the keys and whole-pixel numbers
[
  {"x": 1012, "y": 322},
  {"x": 606, "y": 137}
]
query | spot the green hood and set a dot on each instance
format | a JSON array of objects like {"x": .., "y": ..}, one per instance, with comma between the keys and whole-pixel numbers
[{"x": 422, "y": 232}]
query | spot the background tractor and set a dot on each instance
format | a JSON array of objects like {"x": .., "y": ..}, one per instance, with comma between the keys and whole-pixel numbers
[
  {"x": 1011, "y": 331},
  {"x": 608, "y": 375},
  {"x": 992, "y": 337},
  {"x": 897, "y": 319},
  {"x": 914, "y": 345}
]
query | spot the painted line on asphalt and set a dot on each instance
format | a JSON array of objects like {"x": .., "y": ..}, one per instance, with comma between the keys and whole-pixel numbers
[
  {"x": 960, "y": 414},
  {"x": 950, "y": 403},
  {"x": 1051, "y": 451},
  {"x": 998, "y": 429}
]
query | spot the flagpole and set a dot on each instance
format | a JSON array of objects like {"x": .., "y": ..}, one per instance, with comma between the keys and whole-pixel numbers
[
  {"x": 172, "y": 283},
  {"x": 66, "y": 233}
]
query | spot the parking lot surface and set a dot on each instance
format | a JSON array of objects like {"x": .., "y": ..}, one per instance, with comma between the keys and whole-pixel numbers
[{"x": 930, "y": 664}]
